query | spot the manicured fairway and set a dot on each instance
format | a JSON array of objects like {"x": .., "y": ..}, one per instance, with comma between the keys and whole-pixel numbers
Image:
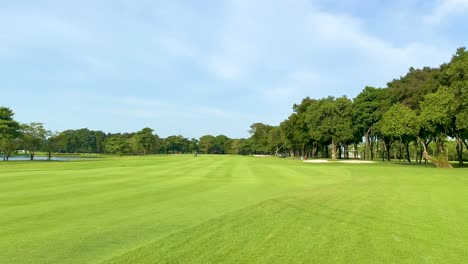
[{"x": 230, "y": 209}]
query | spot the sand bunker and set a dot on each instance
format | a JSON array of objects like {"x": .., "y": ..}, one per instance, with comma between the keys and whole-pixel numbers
[
  {"x": 339, "y": 161},
  {"x": 316, "y": 161},
  {"x": 356, "y": 161}
]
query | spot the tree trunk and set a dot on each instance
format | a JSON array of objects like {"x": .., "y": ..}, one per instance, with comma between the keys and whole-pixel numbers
[
  {"x": 408, "y": 157},
  {"x": 366, "y": 148},
  {"x": 401, "y": 152},
  {"x": 49, "y": 157},
  {"x": 389, "y": 146},
  {"x": 416, "y": 151},
  {"x": 325, "y": 151},
  {"x": 31, "y": 155},
  {"x": 384, "y": 150},
  {"x": 440, "y": 143},
  {"x": 421, "y": 153},
  {"x": 424, "y": 153},
  {"x": 333, "y": 145},
  {"x": 460, "y": 151}
]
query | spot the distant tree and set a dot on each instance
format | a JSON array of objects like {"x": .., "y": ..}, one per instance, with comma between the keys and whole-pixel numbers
[
  {"x": 51, "y": 144},
  {"x": 176, "y": 144},
  {"x": 235, "y": 146},
  {"x": 8, "y": 146},
  {"x": 143, "y": 142},
  {"x": 206, "y": 144},
  {"x": 9, "y": 132},
  {"x": 293, "y": 134},
  {"x": 333, "y": 118},
  {"x": 275, "y": 140},
  {"x": 437, "y": 116},
  {"x": 259, "y": 135},
  {"x": 221, "y": 144},
  {"x": 368, "y": 108},
  {"x": 159, "y": 144},
  {"x": 117, "y": 145},
  {"x": 246, "y": 146},
  {"x": 401, "y": 123},
  {"x": 410, "y": 89},
  {"x": 33, "y": 137}
]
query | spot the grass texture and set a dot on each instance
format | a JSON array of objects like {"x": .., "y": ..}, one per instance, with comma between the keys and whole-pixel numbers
[{"x": 230, "y": 209}]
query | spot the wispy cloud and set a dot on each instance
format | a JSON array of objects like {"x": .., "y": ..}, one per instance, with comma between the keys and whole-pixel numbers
[
  {"x": 148, "y": 108},
  {"x": 296, "y": 85},
  {"x": 24, "y": 29},
  {"x": 444, "y": 9}
]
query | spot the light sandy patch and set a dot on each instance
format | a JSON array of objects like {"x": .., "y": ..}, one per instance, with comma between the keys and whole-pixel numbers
[
  {"x": 316, "y": 161},
  {"x": 340, "y": 161},
  {"x": 356, "y": 161}
]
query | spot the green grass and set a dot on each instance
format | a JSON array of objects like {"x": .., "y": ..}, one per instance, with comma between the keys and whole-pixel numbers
[{"x": 229, "y": 209}]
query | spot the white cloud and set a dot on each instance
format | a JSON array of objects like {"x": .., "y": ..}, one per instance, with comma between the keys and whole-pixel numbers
[
  {"x": 150, "y": 108},
  {"x": 344, "y": 31},
  {"x": 295, "y": 86},
  {"x": 275, "y": 35},
  {"x": 445, "y": 9}
]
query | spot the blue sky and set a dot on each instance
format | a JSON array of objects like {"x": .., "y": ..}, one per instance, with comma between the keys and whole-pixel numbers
[{"x": 208, "y": 67}]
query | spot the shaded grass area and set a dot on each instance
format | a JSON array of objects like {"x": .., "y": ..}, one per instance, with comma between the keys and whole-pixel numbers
[{"x": 229, "y": 209}]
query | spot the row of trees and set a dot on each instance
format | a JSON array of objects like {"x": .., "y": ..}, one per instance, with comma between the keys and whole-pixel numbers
[
  {"x": 34, "y": 137},
  {"x": 31, "y": 137},
  {"x": 421, "y": 110},
  {"x": 412, "y": 117}
]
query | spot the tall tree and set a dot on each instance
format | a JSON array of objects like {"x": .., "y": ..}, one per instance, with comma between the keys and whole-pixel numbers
[
  {"x": 368, "y": 108},
  {"x": 399, "y": 123},
  {"x": 9, "y": 132},
  {"x": 275, "y": 140},
  {"x": 456, "y": 79},
  {"x": 438, "y": 115},
  {"x": 332, "y": 117},
  {"x": 411, "y": 89}
]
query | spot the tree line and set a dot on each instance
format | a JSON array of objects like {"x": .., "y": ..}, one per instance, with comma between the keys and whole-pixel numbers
[
  {"x": 415, "y": 118},
  {"x": 33, "y": 137}
]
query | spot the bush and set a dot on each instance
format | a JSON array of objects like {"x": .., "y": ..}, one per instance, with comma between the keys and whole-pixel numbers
[{"x": 441, "y": 161}]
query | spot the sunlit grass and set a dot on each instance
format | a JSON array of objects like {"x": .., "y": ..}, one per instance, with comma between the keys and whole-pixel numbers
[{"x": 211, "y": 209}]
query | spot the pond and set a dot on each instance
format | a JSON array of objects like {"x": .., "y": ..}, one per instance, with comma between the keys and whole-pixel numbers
[{"x": 24, "y": 158}]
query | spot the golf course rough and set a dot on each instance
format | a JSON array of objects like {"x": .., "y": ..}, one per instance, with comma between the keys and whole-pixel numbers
[{"x": 230, "y": 209}]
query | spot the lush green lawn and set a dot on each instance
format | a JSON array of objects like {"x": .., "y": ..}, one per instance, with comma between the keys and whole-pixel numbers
[{"x": 210, "y": 209}]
